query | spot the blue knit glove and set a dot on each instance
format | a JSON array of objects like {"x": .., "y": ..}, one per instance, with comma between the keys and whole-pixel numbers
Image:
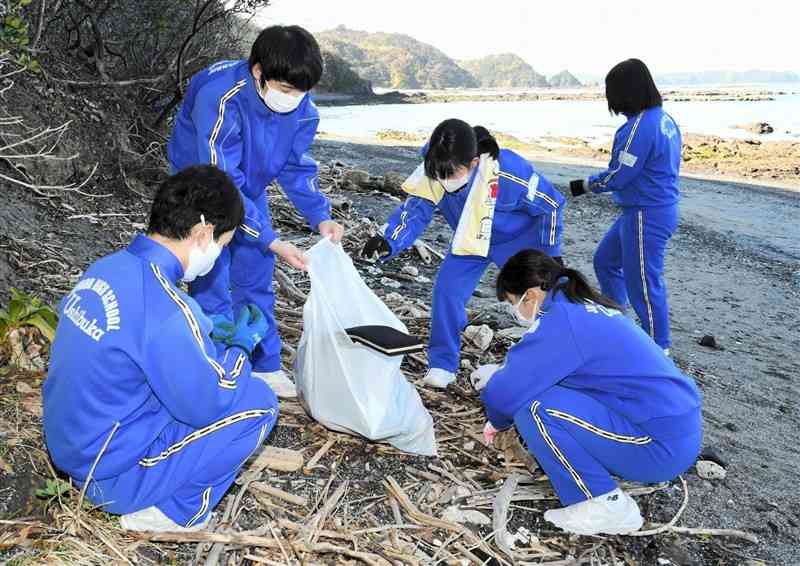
[
  {"x": 251, "y": 326},
  {"x": 223, "y": 330}
]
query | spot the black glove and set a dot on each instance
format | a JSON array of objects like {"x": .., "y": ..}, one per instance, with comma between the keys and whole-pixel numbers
[
  {"x": 577, "y": 187},
  {"x": 376, "y": 244}
]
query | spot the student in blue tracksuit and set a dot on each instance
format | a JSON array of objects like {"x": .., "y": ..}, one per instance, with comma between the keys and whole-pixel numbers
[
  {"x": 256, "y": 121},
  {"x": 591, "y": 395},
  {"x": 643, "y": 179},
  {"x": 138, "y": 396},
  {"x": 528, "y": 214}
]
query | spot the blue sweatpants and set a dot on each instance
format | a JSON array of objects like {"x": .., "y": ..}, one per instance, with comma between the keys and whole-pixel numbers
[
  {"x": 457, "y": 279},
  {"x": 629, "y": 264},
  {"x": 243, "y": 275},
  {"x": 580, "y": 443},
  {"x": 187, "y": 471}
]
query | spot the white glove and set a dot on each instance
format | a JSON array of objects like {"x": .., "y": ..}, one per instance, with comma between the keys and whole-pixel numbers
[{"x": 481, "y": 376}]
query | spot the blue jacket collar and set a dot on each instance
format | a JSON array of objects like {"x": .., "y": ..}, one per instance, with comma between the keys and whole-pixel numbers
[{"x": 152, "y": 252}]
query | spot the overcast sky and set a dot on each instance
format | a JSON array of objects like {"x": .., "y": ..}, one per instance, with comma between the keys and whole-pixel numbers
[{"x": 583, "y": 36}]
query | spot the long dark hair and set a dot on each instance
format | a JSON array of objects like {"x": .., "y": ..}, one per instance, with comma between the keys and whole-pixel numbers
[
  {"x": 532, "y": 268},
  {"x": 630, "y": 88}
]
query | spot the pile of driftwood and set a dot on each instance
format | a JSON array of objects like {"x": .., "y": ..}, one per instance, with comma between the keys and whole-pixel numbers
[
  {"x": 318, "y": 496},
  {"x": 314, "y": 496}
]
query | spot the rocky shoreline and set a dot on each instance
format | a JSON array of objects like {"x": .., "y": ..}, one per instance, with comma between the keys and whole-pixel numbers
[
  {"x": 774, "y": 163},
  {"x": 482, "y": 95}
]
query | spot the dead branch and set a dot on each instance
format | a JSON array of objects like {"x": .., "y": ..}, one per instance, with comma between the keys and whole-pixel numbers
[
  {"x": 267, "y": 489},
  {"x": 502, "y": 537}
]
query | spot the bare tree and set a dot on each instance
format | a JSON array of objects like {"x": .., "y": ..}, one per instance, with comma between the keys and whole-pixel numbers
[
  {"x": 151, "y": 43},
  {"x": 22, "y": 145}
]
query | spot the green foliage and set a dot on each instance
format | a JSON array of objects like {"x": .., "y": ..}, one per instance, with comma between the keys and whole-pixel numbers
[
  {"x": 505, "y": 70},
  {"x": 340, "y": 78},
  {"x": 53, "y": 489},
  {"x": 15, "y": 33},
  {"x": 394, "y": 60},
  {"x": 25, "y": 310},
  {"x": 564, "y": 79}
]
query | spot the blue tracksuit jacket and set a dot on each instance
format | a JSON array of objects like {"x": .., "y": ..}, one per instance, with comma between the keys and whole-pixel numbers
[
  {"x": 223, "y": 121},
  {"x": 132, "y": 348},
  {"x": 528, "y": 214},
  {"x": 569, "y": 345},
  {"x": 593, "y": 397},
  {"x": 643, "y": 179},
  {"x": 645, "y": 162},
  {"x": 528, "y": 210}
]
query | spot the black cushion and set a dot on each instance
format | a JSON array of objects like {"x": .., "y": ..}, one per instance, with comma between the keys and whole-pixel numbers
[{"x": 385, "y": 339}]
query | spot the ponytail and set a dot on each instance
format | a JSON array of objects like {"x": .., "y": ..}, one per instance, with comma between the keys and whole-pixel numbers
[
  {"x": 577, "y": 289},
  {"x": 532, "y": 268},
  {"x": 486, "y": 142}
]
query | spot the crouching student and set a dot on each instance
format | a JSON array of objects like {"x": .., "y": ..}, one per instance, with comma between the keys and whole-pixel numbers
[
  {"x": 591, "y": 395},
  {"x": 496, "y": 203},
  {"x": 137, "y": 395}
]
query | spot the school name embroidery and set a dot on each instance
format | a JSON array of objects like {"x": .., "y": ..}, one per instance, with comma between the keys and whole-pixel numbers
[
  {"x": 594, "y": 308},
  {"x": 76, "y": 314}
]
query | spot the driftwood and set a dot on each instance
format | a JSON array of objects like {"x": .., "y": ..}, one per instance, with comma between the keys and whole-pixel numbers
[
  {"x": 288, "y": 287},
  {"x": 262, "y": 542},
  {"x": 273, "y": 458},
  {"x": 502, "y": 537},
  {"x": 313, "y": 516},
  {"x": 267, "y": 489},
  {"x": 318, "y": 456}
]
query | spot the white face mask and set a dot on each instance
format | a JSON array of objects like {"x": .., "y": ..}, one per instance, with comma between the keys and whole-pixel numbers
[
  {"x": 518, "y": 316},
  {"x": 452, "y": 185},
  {"x": 200, "y": 261},
  {"x": 281, "y": 102}
]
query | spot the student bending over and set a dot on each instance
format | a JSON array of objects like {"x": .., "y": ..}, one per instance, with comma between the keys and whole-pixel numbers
[{"x": 591, "y": 395}]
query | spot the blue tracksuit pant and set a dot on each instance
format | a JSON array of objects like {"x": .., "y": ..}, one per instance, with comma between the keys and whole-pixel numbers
[
  {"x": 187, "y": 471},
  {"x": 457, "y": 279},
  {"x": 242, "y": 275},
  {"x": 580, "y": 443},
  {"x": 629, "y": 264}
]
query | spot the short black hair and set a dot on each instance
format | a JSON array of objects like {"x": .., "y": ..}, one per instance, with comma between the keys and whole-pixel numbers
[
  {"x": 453, "y": 143},
  {"x": 289, "y": 54},
  {"x": 200, "y": 191},
  {"x": 630, "y": 88}
]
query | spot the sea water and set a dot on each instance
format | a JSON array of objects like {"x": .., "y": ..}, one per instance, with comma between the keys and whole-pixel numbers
[{"x": 587, "y": 119}]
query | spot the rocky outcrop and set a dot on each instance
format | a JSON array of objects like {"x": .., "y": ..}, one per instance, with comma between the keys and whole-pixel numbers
[
  {"x": 394, "y": 60},
  {"x": 504, "y": 70},
  {"x": 564, "y": 79}
]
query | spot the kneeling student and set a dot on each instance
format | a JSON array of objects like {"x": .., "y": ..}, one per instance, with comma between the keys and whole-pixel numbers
[
  {"x": 591, "y": 395},
  {"x": 137, "y": 395}
]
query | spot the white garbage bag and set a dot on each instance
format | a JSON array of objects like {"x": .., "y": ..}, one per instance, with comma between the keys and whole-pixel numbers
[{"x": 345, "y": 386}]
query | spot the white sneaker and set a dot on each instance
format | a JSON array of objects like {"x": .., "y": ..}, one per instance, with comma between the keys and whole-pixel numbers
[
  {"x": 666, "y": 352},
  {"x": 439, "y": 378},
  {"x": 614, "y": 513},
  {"x": 279, "y": 382},
  {"x": 152, "y": 519}
]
